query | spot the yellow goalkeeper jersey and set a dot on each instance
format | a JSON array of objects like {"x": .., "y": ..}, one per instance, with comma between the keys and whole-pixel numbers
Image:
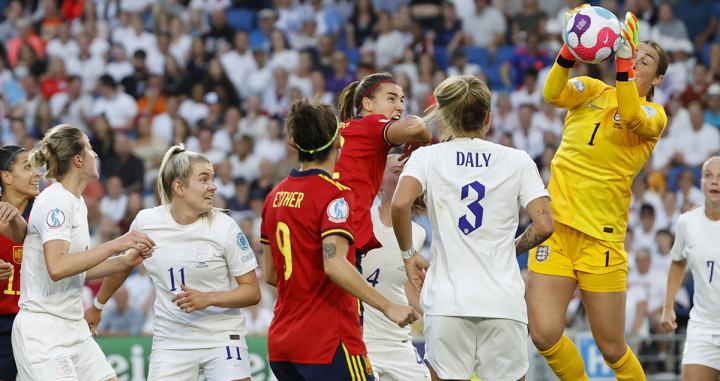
[{"x": 609, "y": 135}]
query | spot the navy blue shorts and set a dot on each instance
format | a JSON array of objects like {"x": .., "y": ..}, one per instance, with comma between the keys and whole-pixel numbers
[
  {"x": 8, "y": 370},
  {"x": 344, "y": 367}
]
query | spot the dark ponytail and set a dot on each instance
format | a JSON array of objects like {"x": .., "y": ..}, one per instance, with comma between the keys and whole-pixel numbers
[
  {"x": 350, "y": 102},
  {"x": 313, "y": 128}
]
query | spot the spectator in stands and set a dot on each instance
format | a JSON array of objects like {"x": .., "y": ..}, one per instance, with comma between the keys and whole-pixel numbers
[
  {"x": 271, "y": 147},
  {"x": 636, "y": 316},
  {"x": 64, "y": 45},
  {"x": 119, "y": 67},
  {"x": 180, "y": 41},
  {"x": 217, "y": 81},
  {"x": 43, "y": 120},
  {"x": 699, "y": 143},
  {"x": 13, "y": 12},
  {"x": 153, "y": 101},
  {"x": 118, "y": 107},
  {"x": 701, "y": 80},
  {"x": 260, "y": 36},
  {"x": 361, "y": 24},
  {"x": 486, "y": 27},
  {"x": 255, "y": 122},
  {"x": 528, "y": 137},
  {"x": 426, "y": 69},
  {"x": 460, "y": 65},
  {"x": 261, "y": 186},
  {"x": 308, "y": 36},
  {"x": 149, "y": 148},
  {"x": 280, "y": 53},
  {"x": 529, "y": 56},
  {"x": 504, "y": 119},
  {"x": 342, "y": 75},
  {"x": 114, "y": 204},
  {"x": 548, "y": 120},
  {"x": 447, "y": 31},
  {"x": 641, "y": 195},
  {"x": 319, "y": 91},
  {"x": 671, "y": 211},
  {"x": 196, "y": 62},
  {"x": 323, "y": 55},
  {"x": 161, "y": 124},
  {"x": 223, "y": 136},
  {"x": 124, "y": 164},
  {"x": 645, "y": 232},
  {"x": 389, "y": 44},
  {"x": 276, "y": 98},
  {"x": 195, "y": 108},
  {"x": 240, "y": 203},
  {"x": 687, "y": 192},
  {"x": 712, "y": 113},
  {"x": 288, "y": 163},
  {"x": 181, "y": 131},
  {"x": 700, "y": 18},
  {"x": 220, "y": 33},
  {"x": 72, "y": 106},
  {"x": 663, "y": 241},
  {"x": 529, "y": 92},
  {"x": 122, "y": 320},
  {"x": 237, "y": 63},
  {"x": 261, "y": 76},
  {"x": 137, "y": 83},
  {"x": 223, "y": 180},
  {"x": 26, "y": 36},
  {"x": 300, "y": 78},
  {"x": 137, "y": 38},
  {"x": 177, "y": 82},
  {"x": 678, "y": 115},
  {"x": 530, "y": 19},
  {"x": 669, "y": 29},
  {"x": 243, "y": 162}
]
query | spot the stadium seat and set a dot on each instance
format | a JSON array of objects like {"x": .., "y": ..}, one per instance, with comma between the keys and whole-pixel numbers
[
  {"x": 705, "y": 56},
  {"x": 480, "y": 56},
  {"x": 442, "y": 58},
  {"x": 503, "y": 54},
  {"x": 353, "y": 56},
  {"x": 241, "y": 19}
]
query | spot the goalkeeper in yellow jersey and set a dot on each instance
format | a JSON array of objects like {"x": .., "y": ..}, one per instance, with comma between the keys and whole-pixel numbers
[{"x": 609, "y": 134}]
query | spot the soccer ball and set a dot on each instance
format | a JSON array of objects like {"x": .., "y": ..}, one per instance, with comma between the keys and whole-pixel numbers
[{"x": 593, "y": 34}]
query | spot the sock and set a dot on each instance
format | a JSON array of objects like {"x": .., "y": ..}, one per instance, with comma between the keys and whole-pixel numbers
[
  {"x": 628, "y": 367},
  {"x": 565, "y": 360}
]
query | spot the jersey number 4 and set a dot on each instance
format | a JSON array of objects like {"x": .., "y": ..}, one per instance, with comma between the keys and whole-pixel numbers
[{"x": 475, "y": 208}]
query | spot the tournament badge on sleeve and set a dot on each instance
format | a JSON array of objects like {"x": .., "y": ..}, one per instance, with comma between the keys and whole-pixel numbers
[
  {"x": 338, "y": 210},
  {"x": 542, "y": 253},
  {"x": 55, "y": 219}
]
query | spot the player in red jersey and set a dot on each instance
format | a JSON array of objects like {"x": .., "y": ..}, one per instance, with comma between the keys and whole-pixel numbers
[
  {"x": 20, "y": 184},
  {"x": 371, "y": 111},
  {"x": 307, "y": 236}
]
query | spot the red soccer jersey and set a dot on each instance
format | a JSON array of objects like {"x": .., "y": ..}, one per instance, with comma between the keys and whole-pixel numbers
[
  {"x": 361, "y": 167},
  {"x": 312, "y": 313},
  {"x": 12, "y": 252}
]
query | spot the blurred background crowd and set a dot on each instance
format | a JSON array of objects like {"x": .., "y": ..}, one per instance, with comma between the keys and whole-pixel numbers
[{"x": 219, "y": 75}]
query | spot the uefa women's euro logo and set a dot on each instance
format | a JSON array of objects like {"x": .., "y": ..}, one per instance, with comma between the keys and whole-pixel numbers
[{"x": 55, "y": 219}]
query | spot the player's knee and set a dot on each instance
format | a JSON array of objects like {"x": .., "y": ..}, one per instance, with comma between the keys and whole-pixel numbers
[
  {"x": 544, "y": 338},
  {"x": 612, "y": 351}
]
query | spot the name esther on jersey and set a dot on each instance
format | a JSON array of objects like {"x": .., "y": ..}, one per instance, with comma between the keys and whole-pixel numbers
[
  {"x": 473, "y": 159},
  {"x": 289, "y": 199}
]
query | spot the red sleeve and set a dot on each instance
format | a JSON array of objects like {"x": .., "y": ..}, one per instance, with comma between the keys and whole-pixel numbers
[
  {"x": 336, "y": 219},
  {"x": 377, "y": 127}
]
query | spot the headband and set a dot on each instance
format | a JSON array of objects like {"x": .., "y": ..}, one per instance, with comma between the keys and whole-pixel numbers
[
  {"x": 373, "y": 88},
  {"x": 7, "y": 163},
  {"x": 312, "y": 151}
]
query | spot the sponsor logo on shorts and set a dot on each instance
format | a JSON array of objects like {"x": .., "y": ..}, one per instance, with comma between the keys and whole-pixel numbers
[
  {"x": 338, "y": 210},
  {"x": 242, "y": 241},
  {"x": 368, "y": 367},
  {"x": 542, "y": 253},
  {"x": 63, "y": 365},
  {"x": 55, "y": 219}
]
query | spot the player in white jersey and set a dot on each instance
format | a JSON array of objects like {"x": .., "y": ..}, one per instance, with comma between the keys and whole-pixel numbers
[
  {"x": 203, "y": 272},
  {"x": 390, "y": 348},
  {"x": 471, "y": 291},
  {"x": 50, "y": 338},
  {"x": 696, "y": 243}
]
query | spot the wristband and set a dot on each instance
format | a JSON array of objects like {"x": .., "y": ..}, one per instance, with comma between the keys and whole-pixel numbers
[
  {"x": 407, "y": 254},
  {"x": 97, "y": 304},
  {"x": 625, "y": 69},
  {"x": 565, "y": 58}
]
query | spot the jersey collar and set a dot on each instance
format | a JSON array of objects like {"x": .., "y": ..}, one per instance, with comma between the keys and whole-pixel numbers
[{"x": 309, "y": 172}]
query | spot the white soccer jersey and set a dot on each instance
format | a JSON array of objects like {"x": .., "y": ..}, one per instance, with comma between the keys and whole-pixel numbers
[
  {"x": 473, "y": 190},
  {"x": 697, "y": 240},
  {"x": 384, "y": 269},
  {"x": 57, "y": 215},
  {"x": 203, "y": 256}
]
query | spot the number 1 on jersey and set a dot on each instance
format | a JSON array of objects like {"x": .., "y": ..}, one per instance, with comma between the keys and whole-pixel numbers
[
  {"x": 282, "y": 235},
  {"x": 10, "y": 290},
  {"x": 172, "y": 278},
  {"x": 711, "y": 265},
  {"x": 592, "y": 138}
]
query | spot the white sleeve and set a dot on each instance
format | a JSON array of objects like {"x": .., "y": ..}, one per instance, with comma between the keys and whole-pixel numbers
[
  {"x": 678, "y": 251},
  {"x": 531, "y": 185},
  {"x": 54, "y": 222},
  {"x": 240, "y": 257},
  {"x": 416, "y": 167}
]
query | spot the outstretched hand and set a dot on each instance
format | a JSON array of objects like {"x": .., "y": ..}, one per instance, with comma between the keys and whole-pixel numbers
[
  {"x": 630, "y": 37},
  {"x": 570, "y": 14}
]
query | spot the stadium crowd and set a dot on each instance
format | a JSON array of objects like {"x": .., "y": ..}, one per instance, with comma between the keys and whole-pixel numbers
[{"x": 138, "y": 76}]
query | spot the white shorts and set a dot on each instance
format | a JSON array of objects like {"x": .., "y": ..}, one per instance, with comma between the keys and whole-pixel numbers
[
  {"x": 495, "y": 349},
  {"x": 702, "y": 350},
  {"x": 50, "y": 348},
  {"x": 396, "y": 361},
  {"x": 218, "y": 364}
]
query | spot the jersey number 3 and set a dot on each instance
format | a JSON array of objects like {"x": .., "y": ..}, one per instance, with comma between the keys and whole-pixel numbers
[{"x": 477, "y": 210}]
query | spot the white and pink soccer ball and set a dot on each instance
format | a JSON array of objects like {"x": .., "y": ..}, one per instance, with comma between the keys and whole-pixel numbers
[{"x": 593, "y": 34}]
